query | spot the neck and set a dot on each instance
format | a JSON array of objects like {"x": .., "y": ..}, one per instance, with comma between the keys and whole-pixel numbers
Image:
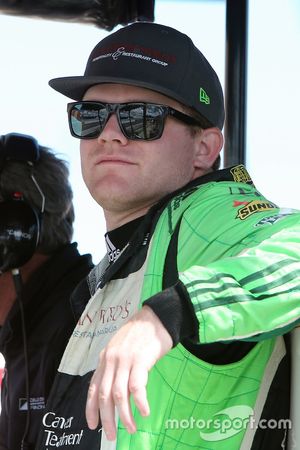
[
  {"x": 115, "y": 219},
  {"x": 7, "y": 288}
]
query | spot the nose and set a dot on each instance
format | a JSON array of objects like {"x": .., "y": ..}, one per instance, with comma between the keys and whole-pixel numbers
[{"x": 112, "y": 131}]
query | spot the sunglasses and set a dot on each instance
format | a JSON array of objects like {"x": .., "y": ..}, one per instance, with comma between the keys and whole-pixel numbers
[{"x": 137, "y": 121}]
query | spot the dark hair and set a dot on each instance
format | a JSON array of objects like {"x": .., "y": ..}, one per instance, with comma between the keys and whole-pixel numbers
[{"x": 51, "y": 174}]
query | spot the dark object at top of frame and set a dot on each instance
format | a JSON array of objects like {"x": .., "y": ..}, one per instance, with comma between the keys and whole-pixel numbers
[{"x": 104, "y": 14}]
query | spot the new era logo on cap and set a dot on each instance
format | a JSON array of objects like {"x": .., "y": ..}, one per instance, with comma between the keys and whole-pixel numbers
[{"x": 203, "y": 97}]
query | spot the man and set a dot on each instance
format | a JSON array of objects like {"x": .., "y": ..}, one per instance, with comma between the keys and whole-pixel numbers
[
  {"x": 180, "y": 345},
  {"x": 35, "y": 312}
]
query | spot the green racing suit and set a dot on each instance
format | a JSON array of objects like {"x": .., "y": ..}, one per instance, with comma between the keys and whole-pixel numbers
[{"x": 236, "y": 268}]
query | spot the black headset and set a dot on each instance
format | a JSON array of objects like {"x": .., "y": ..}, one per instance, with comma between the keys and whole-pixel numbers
[{"x": 20, "y": 222}]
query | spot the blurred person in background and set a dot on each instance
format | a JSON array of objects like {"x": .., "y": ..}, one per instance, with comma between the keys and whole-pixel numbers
[{"x": 36, "y": 317}]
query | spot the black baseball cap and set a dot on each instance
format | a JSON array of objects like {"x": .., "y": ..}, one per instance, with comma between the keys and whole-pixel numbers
[{"x": 156, "y": 57}]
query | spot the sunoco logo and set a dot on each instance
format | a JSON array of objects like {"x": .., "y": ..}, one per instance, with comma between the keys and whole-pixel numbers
[{"x": 254, "y": 207}]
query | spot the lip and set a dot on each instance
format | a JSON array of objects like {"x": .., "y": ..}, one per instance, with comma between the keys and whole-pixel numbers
[{"x": 113, "y": 160}]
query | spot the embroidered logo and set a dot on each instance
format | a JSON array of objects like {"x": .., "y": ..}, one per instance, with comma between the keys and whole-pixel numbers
[
  {"x": 203, "y": 97},
  {"x": 240, "y": 174},
  {"x": 135, "y": 52},
  {"x": 254, "y": 207}
]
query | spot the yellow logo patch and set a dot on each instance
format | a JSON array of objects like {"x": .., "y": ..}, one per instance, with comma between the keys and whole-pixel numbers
[
  {"x": 254, "y": 207},
  {"x": 240, "y": 174}
]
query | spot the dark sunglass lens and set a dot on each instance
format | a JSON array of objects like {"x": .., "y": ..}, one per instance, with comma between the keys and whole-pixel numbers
[
  {"x": 141, "y": 121},
  {"x": 86, "y": 120}
]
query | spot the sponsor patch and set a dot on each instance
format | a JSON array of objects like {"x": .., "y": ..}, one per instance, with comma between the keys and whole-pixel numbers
[
  {"x": 273, "y": 219},
  {"x": 35, "y": 403},
  {"x": 254, "y": 207},
  {"x": 240, "y": 174}
]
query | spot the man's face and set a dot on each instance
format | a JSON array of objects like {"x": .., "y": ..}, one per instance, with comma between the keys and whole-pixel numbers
[{"x": 127, "y": 177}]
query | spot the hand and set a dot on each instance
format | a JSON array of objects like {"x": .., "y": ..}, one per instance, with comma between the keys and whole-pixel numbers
[{"x": 123, "y": 371}]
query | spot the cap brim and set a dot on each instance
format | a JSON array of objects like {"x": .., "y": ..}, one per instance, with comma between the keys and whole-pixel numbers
[{"x": 75, "y": 87}]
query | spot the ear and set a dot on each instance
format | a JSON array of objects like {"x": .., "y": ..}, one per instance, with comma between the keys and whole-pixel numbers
[{"x": 208, "y": 144}]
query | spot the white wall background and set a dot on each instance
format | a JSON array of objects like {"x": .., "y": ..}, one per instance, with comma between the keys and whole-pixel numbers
[{"x": 273, "y": 144}]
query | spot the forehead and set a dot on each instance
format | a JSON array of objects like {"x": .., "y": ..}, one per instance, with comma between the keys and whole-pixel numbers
[{"x": 118, "y": 93}]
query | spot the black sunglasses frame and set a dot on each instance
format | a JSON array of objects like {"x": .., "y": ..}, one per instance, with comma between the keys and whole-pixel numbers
[{"x": 114, "y": 108}]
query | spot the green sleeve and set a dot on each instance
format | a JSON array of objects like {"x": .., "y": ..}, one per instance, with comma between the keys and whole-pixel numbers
[{"x": 251, "y": 296}]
